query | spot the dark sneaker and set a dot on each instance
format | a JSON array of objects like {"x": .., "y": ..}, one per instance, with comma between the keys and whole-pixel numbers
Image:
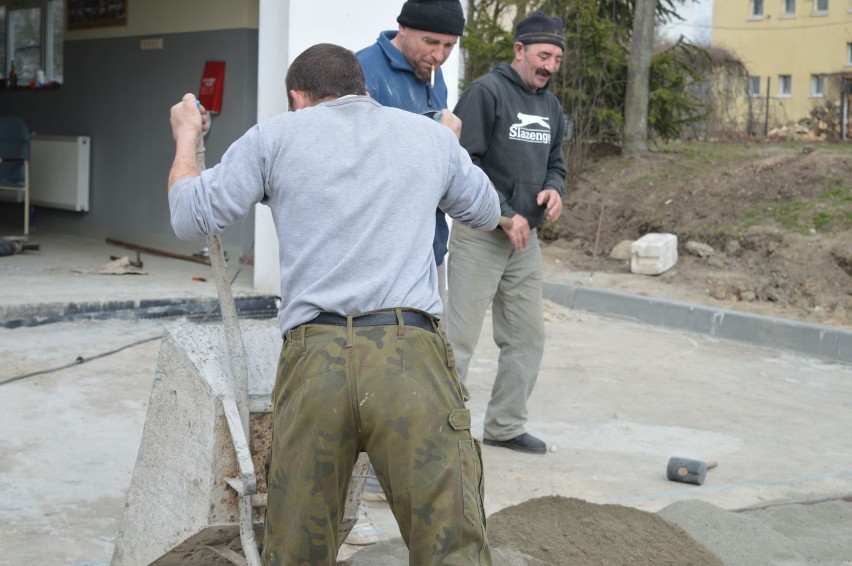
[{"x": 523, "y": 443}]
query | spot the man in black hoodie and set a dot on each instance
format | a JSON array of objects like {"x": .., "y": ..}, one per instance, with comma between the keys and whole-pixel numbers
[{"x": 513, "y": 128}]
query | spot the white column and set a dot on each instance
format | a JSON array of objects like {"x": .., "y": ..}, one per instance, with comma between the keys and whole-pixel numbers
[{"x": 273, "y": 60}]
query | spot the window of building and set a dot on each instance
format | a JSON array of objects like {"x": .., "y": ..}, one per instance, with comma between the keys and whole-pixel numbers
[
  {"x": 821, "y": 6},
  {"x": 756, "y": 8},
  {"x": 754, "y": 87},
  {"x": 785, "y": 85},
  {"x": 817, "y": 86},
  {"x": 789, "y": 7},
  {"x": 31, "y": 39},
  {"x": 849, "y": 53}
]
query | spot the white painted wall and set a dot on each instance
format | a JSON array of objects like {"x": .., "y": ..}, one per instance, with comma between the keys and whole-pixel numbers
[{"x": 288, "y": 27}]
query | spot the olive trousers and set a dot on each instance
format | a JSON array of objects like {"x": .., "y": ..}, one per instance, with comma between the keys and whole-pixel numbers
[{"x": 393, "y": 392}]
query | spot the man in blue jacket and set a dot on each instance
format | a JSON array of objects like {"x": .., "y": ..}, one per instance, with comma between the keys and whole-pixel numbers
[
  {"x": 403, "y": 69},
  {"x": 512, "y": 127}
]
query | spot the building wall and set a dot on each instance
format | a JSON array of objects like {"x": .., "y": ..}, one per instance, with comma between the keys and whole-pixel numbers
[
  {"x": 120, "y": 95},
  {"x": 149, "y": 17},
  {"x": 800, "y": 45}
]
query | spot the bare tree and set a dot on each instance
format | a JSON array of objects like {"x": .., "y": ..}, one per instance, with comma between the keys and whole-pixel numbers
[{"x": 638, "y": 71}]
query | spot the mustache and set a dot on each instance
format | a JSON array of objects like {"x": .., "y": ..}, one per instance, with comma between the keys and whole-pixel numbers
[{"x": 543, "y": 73}]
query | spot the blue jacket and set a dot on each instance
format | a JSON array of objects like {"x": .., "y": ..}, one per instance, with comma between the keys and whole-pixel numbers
[{"x": 391, "y": 82}]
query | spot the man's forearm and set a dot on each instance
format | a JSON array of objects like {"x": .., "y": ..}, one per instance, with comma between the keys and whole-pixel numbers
[{"x": 185, "y": 164}]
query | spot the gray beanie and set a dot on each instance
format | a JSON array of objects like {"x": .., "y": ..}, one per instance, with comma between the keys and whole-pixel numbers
[
  {"x": 539, "y": 28},
  {"x": 439, "y": 16}
]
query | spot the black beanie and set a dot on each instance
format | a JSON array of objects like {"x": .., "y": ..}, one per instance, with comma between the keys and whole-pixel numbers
[
  {"x": 439, "y": 16},
  {"x": 539, "y": 28}
]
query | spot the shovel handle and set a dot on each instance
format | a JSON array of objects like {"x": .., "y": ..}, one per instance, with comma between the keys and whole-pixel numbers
[{"x": 233, "y": 336}]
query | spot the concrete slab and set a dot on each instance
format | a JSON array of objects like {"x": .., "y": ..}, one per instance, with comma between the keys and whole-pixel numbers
[{"x": 614, "y": 401}]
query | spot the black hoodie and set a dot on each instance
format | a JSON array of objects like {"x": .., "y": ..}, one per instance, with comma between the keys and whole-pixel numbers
[{"x": 515, "y": 136}]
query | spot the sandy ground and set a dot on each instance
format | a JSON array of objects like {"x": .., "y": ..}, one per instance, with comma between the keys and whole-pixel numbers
[
  {"x": 797, "y": 528},
  {"x": 777, "y": 423}
]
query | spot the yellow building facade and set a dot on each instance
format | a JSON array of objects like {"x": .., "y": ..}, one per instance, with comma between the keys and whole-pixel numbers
[{"x": 798, "y": 56}]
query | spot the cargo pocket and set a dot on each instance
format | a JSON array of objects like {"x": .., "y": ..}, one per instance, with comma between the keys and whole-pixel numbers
[
  {"x": 471, "y": 470},
  {"x": 470, "y": 467}
]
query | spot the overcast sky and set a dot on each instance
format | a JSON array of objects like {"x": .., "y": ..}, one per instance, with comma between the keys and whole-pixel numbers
[{"x": 696, "y": 27}]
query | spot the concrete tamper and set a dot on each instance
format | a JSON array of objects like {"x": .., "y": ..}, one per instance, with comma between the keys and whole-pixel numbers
[{"x": 198, "y": 492}]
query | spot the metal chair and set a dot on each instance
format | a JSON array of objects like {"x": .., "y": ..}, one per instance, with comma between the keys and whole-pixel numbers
[{"x": 15, "y": 161}]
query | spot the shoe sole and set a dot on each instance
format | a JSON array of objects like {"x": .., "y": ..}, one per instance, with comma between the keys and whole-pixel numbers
[{"x": 514, "y": 447}]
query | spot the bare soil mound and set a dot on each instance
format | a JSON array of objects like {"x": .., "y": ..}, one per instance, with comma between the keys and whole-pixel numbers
[{"x": 775, "y": 219}]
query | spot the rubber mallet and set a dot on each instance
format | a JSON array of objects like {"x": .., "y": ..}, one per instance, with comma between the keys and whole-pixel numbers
[{"x": 685, "y": 470}]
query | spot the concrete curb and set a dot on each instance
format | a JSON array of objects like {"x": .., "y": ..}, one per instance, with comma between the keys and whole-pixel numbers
[
  {"x": 14, "y": 316},
  {"x": 820, "y": 341},
  {"x": 826, "y": 342}
]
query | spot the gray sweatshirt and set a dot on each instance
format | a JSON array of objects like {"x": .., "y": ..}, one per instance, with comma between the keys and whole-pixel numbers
[{"x": 353, "y": 188}]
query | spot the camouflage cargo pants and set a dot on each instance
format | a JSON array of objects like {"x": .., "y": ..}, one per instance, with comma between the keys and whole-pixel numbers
[{"x": 390, "y": 391}]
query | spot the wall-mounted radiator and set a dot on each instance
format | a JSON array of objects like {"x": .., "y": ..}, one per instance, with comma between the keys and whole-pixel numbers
[{"x": 59, "y": 172}]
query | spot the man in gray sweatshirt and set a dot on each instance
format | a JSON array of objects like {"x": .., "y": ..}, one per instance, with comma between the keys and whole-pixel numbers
[{"x": 365, "y": 365}]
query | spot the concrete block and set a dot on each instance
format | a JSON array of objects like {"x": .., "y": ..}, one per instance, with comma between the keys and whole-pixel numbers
[{"x": 653, "y": 254}]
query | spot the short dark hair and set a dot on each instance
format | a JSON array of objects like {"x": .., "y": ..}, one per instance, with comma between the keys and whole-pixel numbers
[{"x": 325, "y": 70}]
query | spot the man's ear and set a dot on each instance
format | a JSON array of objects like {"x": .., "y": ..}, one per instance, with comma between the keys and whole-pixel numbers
[{"x": 300, "y": 100}]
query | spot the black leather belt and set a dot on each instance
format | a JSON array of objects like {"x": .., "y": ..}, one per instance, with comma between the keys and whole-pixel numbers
[{"x": 376, "y": 319}]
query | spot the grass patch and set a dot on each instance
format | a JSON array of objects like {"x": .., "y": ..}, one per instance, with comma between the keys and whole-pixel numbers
[{"x": 832, "y": 211}]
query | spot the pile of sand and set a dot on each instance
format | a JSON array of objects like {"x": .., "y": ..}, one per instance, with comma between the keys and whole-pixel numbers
[
  {"x": 555, "y": 531},
  {"x": 552, "y": 531},
  {"x": 559, "y": 530}
]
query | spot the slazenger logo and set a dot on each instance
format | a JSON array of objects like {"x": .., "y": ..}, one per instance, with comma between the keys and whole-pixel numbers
[{"x": 524, "y": 132}]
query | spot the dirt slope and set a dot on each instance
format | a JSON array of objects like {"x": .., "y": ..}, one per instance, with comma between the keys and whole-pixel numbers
[{"x": 775, "y": 220}]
